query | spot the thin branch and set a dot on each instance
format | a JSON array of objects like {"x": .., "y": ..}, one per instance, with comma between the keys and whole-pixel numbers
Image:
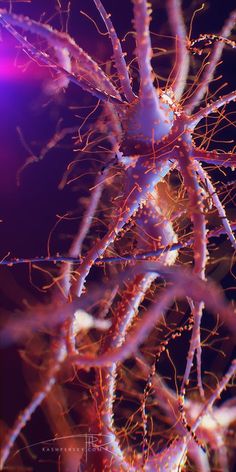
[
  {"x": 210, "y": 68},
  {"x": 118, "y": 53},
  {"x": 210, "y": 108},
  {"x": 179, "y": 73}
]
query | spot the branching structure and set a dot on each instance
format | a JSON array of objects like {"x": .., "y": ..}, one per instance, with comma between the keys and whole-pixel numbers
[{"x": 150, "y": 134}]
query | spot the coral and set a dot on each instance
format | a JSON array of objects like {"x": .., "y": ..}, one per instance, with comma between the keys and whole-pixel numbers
[{"x": 128, "y": 306}]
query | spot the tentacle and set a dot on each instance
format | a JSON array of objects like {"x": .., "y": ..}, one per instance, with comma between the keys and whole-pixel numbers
[
  {"x": 165, "y": 397},
  {"x": 210, "y": 108},
  {"x": 173, "y": 458},
  {"x": 113, "y": 131},
  {"x": 43, "y": 317},
  {"x": 75, "y": 250},
  {"x": 195, "y": 346},
  {"x": 213, "y": 157},
  {"x": 125, "y": 313},
  {"x": 149, "y": 119},
  {"x": 81, "y": 321},
  {"x": 209, "y": 70},
  {"x": 168, "y": 401},
  {"x": 118, "y": 53},
  {"x": 200, "y": 253},
  {"x": 134, "y": 339},
  {"x": 144, "y": 52},
  {"x": 90, "y": 77},
  {"x": 119, "y": 259},
  {"x": 58, "y": 358},
  {"x": 179, "y": 73},
  {"x": 58, "y": 136},
  {"x": 72, "y": 446},
  {"x": 139, "y": 185},
  {"x": 216, "y": 394},
  {"x": 221, "y": 211},
  {"x": 154, "y": 228},
  {"x": 185, "y": 284}
]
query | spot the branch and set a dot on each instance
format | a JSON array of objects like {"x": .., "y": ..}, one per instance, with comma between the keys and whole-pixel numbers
[
  {"x": 179, "y": 73},
  {"x": 210, "y": 108}
]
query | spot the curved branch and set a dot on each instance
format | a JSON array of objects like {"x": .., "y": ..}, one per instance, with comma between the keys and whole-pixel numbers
[{"x": 185, "y": 284}]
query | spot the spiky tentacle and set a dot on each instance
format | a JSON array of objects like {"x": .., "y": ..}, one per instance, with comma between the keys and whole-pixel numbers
[
  {"x": 112, "y": 128},
  {"x": 184, "y": 284},
  {"x": 118, "y": 53},
  {"x": 89, "y": 75},
  {"x": 210, "y": 67},
  {"x": 58, "y": 358},
  {"x": 125, "y": 313},
  {"x": 213, "y": 194},
  {"x": 186, "y": 164},
  {"x": 156, "y": 227},
  {"x": 210, "y": 108},
  {"x": 173, "y": 458},
  {"x": 140, "y": 184},
  {"x": 225, "y": 159},
  {"x": 179, "y": 73}
]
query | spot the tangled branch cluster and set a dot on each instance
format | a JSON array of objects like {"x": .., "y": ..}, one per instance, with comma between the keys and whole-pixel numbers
[{"x": 128, "y": 301}]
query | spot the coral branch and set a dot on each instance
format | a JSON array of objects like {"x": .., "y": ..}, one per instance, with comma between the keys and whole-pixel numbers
[
  {"x": 210, "y": 67},
  {"x": 210, "y": 108},
  {"x": 215, "y": 158},
  {"x": 100, "y": 307},
  {"x": 200, "y": 253},
  {"x": 90, "y": 76},
  {"x": 118, "y": 53},
  {"x": 142, "y": 20},
  {"x": 25, "y": 415},
  {"x": 213, "y": 194},
  {"x": 125, "y": 312},
  {"x": 198, "y": 291},
  {"x": 137, "y": 192},
  {"x": 180, "y": 70}
]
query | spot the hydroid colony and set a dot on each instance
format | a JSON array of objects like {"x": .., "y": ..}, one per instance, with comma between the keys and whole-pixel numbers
[{"x": 155, "y": 184}]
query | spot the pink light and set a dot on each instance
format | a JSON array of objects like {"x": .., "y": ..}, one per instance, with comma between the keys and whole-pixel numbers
[{"x": 10, "y": 71}]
